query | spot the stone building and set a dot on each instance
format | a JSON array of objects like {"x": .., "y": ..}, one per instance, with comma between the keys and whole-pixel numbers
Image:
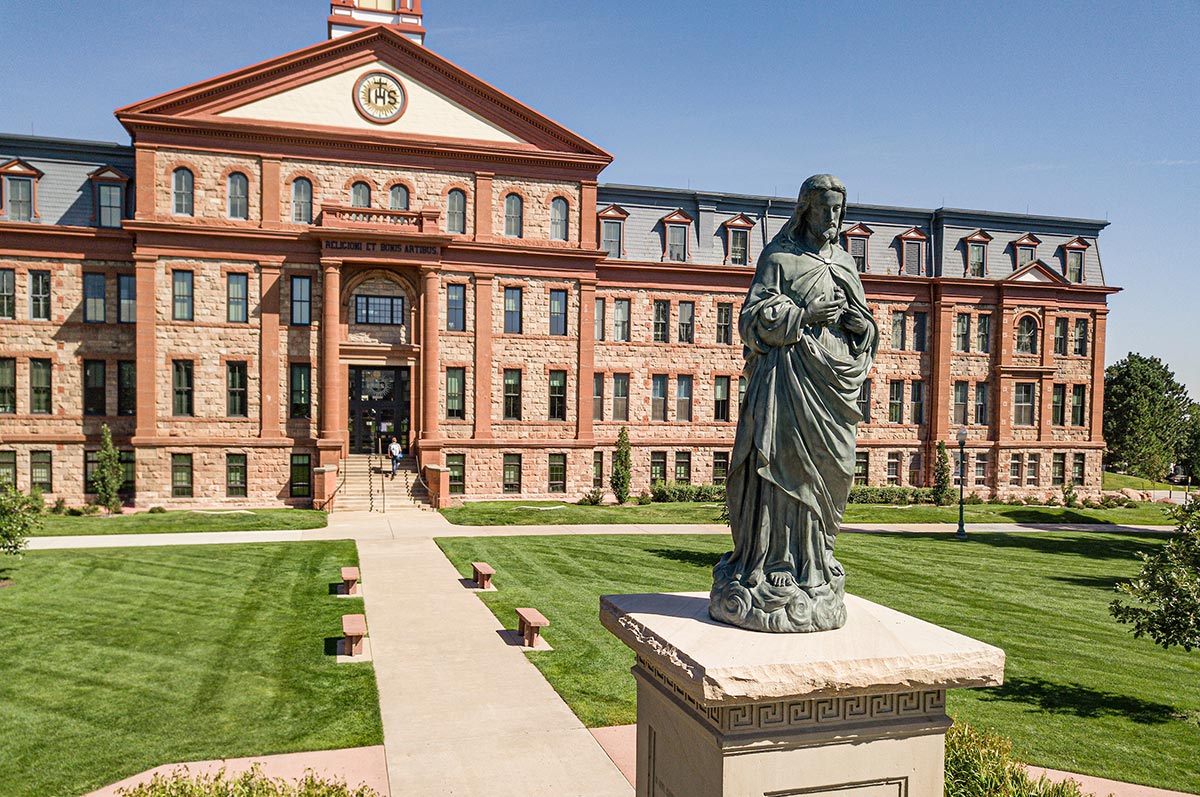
[{"x": 296, "y": 261}]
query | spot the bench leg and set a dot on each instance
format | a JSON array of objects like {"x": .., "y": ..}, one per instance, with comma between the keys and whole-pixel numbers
[
  {"x": 531, "y": 635},
  {"x": 354, "y": 645},
  {"x": 483, "y": 580}
]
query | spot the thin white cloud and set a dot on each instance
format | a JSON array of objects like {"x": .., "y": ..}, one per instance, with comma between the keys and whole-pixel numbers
[{"x": 1170, "y": 162}]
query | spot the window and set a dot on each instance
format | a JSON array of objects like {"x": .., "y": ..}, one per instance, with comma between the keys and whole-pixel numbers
[
  {"x": 677, "y": 242},
  {"x": 299, "y": 390},
  {"x": 8, "y": 293},
  {"x": 558, "y": 474},
  {"x": 41, "y": 471},
  {"x": 1060, "y": 336},
  {"x": 862, "y": 466},
  {"x": 610, "y": 238},
  {"x": 456, "y": 379},
  {"x": 658, "y": 467},
  {"x": 683, "y": 398},
  {"x": 620, "y": 410},
  {"x": 739, "y": 247},
  {"x": 858, "y": 251},
  {"x": 920, "y": 331},
  {"x": 181, "y": 475},
  {"x": 1075, "y": 265},
  {"x": 598, "y": 321},
  {"x": 662, "y": 321},
  {"x": 360, "y": 195},
  {"x": 112, "y": 200},
  {"x": 20, "y": 198},
  {"x": 597, "y": 397},
  {"x": 598, "y": 470},
  {"x": 962, "y": 333},
  {"x": 127, "y": 387},
  {"x": 457, "y": 465},
  {"x": 456, "y": 215},
  {"x": 721, "y": 398},
  {"x": 975, "y": 257},
  {"x": 398, "y": 198},
  {"x": 1058, "y": 469},
  {"x": 126, "y": 299},
  {"x": 456, "y": 308},
  {"x": 621, "y": 319},
  {"x": 1027, "y": 330},
  {"x": 687, "y": 322},
  {"x": 981, "y": 403},
  {"x": 93, "y": 298},
  {"x": 1025, "y": 255},
  {"x": 1081, "y": 337},
  {"x": 896, "y": 401},
  {"x": 8, "y": 469},
  {"x": 379, "y": 310},
  {"x": 182, "y": 388},
  {"x": 39, "y": 295},
  {"x": 1023, "y": 406},
  {"x": 39, "y": 387},
  {"x": 181, "y": 295},
  {"x": 301, "y": 476},
  {"x": 235, "y": 390},
  {"x": 558, "y": 395},
  {"x": 658, "y": 397},
  {"x": 724, "y": 323},
  {"x": 512, "y": 311},
  {"x": 960, "y": 403},
  {"x": 301, "y": 301},
  {"x": 8, "y": 385},
  {"x": 893, "y": 468},
  {"x": 239, "y": 196},
  {"x": 983, "y": 333},
  {"x": 1058, "y": 400},
  {"x": 982, "y": 468},
  {"x": 1078, "y": 397},
  {"x": 93, "y": 388},
  {"x": 512, "y": 473},
  {"x": 912, "y": 258},
  {"x": 558, "y": 219},
  {"x": 302, "y": 200},
  {"x": 899, "y": 341},
  {"x": 512, "y": 394},
  {"x": 918, "y": 402},
  {"x": 181, "y": 191},
  {"x": 514, "y": 216},
  {"x": 720, "y": 467},
  {"x": 558, "y": 312},
  {"x": 1078, "y": 469},
  {"x": 683, "y": 467},
  {"x": 864, "y": 401},
  {"x": 915, "y": 464},
  {"x": 235, "y": 475},
  {"x": 237, "y": 298},
  {"x": 1032, "y": 466},
  {"x": 1015, "y": 467}
]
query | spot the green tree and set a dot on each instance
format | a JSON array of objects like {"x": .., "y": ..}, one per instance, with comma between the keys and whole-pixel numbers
[
  {"x": 1189, "y": 453},
  {"x": 622, "y": 467},
  {"x": 941, "y": 476},
  {"x": 108, "y": 476},
  {"x": 19, "y": 516},
  {"x": 1168, "y": 587},
  {"x": 1145, "y": 412}
]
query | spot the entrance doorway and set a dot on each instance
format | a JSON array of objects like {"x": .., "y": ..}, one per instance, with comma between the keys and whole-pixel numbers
[{"x": 379, "y": 408}]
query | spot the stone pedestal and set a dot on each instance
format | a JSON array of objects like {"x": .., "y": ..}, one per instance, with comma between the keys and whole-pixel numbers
[{"x": 856, "y": 712}]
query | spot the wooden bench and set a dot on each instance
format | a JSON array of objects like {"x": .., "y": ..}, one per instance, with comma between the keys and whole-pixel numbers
[
  {"x": 530, "y": 622},
  {"x": 482, "y": 572},
  {"x": 350, "y": 580},
  {"x": 354, "y": 628}
]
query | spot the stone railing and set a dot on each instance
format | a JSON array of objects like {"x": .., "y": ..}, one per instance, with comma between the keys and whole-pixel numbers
[{"x": 347, "y": 217}]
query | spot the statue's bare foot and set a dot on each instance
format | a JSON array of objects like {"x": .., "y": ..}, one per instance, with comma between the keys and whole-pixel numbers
[{"x": 781, "y": 578}]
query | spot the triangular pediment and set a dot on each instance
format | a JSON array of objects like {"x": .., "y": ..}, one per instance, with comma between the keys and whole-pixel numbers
[
  {"x": 19, "y": 168},
  {"x": 1077, "y": 243},
  {"x": 316, "y": 91},
  {"x": 109, "y": 174},
  {"x": 1037, "y": 271},
  {"x": 614, "y": 213},
  {"x": 913, "y": 234},
  {"x": 859, "y": 229},
  {"x": 978, "y": 237},
  {"x": 1028, "y": 239},
  {"x": 740, "y": 222},
  {"x": 677, "y": 217}
]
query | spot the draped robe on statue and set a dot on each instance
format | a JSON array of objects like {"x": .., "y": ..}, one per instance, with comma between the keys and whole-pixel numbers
[{"x": 793, "y": 458}]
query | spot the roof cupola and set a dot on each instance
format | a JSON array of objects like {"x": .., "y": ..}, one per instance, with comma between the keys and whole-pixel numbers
[{"x": 349, "y": 16}]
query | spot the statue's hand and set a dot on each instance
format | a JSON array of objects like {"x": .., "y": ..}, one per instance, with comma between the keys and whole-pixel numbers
[
  {"x": 824, "y": 311},
  {"x": 853, "y": 321}
]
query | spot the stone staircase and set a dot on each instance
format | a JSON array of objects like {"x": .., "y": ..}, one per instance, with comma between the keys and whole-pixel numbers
[{"x": 368, "y": 485}]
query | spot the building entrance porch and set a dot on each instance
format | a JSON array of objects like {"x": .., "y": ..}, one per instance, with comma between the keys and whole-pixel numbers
[{"x": 379, "y": 408}]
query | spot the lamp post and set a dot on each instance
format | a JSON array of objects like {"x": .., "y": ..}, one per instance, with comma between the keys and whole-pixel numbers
[{"x": 962, "y": 480}]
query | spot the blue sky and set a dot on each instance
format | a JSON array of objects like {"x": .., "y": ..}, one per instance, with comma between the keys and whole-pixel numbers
[{"x": 1077, "y": 109}]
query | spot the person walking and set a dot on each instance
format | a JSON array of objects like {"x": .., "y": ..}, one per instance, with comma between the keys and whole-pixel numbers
[{"x": 394, "y": 453}]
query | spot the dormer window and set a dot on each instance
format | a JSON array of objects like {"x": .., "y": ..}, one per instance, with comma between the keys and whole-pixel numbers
[
  {"x": 1073, "y": 255},
  {"x": 18, "y": 194},
  {"x": 856, "y": 245},
  {"x": 360, "y": 195},
  {"x": 675, "y": 227},
  {"x": 109, "y": 194},
  {"x": 912, "y": 251},
  {"x": 612, "y": 228},
  {"x": 976, "y": 245},
  {"x": 1025, "y": 250},
  {"x": 737, "y": 240}
]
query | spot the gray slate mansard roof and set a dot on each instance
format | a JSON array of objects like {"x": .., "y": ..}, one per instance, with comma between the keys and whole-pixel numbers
[{"x": 64, "y": 193}]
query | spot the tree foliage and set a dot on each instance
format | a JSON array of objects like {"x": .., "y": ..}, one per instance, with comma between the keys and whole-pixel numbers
[
  {"x": 1168, "y": 587},
  {"x": 1145, "y": 415},
  {"x": 19, "y": 515},
  {"x": 941, "y": 476},
  {"x": 108, "y": 476},
  {"x": 1189, "y": 453},
  {"x": 622, "y": 467}
]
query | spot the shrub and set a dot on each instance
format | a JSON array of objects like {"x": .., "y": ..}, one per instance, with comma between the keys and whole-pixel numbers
[
  {"x": 1070, "y": 497},
  {"x": 981, "y": 764},
  {"x": 1015, "y": 501},
  {"x": 622, "y": 467},
  {"x": 37, "y": 500},
  {"x": 941, "y": 476},
  {"x": 644, "y": 498},
  {"x": 19, "y": 516},
  {"x": 592, "y": 497},
  {"x": 180, "y": 783},
  {"x": 972, "y": 499},
  {"x": 109, "y": 476},
  {"x": 75, "y": 511},
  {"x": 60, "y": 507},
  {"x": 923, "y": 495},
  {"x": 1053, "y": 501},
  {"x": 157, "y": 510}
]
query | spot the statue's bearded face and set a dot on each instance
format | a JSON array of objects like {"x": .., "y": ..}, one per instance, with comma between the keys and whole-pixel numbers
[{"x": 823, "y": 216}]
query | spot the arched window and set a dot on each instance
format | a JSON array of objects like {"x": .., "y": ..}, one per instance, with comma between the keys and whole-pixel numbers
[
  {"x": 399, "y": 199},
  {"x": 456, "y": 211},
  {"x": 239, "y": 196},
  {"x": 514, "y": 216},
  {"x": 181, "y": 191},
  {"x": 360, "y": 195},
  {"x": 558, "y": 219},
  {"x": 1027, "y": 334},
  {"x": 302, "y": 200}
]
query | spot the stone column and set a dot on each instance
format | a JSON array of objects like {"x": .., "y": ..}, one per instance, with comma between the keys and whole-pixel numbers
[
  {"x": 587, "y": 361},
  {"x": 268, "y": 352},
  {"x": 939, "y": 390},
  {"x": 269, "y": 192},
  {"x": 430, "y": 366},
  {"x": 1096, "y": 433},
  {"x": 333, "y": 389},
  {"x": 483, "y": 206},
  {"x": 146, "y": 345},
  {"x": 146, "y": 182},
  {"x": 587, "y": 214},
  {"x": 484, "y": 289}
]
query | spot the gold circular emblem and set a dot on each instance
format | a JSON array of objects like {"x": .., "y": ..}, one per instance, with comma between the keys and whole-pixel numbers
[{"x": 379, "y": 97}]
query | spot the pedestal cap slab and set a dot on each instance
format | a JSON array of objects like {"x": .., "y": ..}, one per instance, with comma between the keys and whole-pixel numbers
[{"x": 879, "y": 650}]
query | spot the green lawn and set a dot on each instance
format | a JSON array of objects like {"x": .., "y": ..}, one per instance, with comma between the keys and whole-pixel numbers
[
  {"x": 511, "y": 513},
  {"x": 114, "y": 661},
  {"x": 183, "y": 520},
  {"x": 1119, "y": 481},
  {"x": 1081, "y": 694}
]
